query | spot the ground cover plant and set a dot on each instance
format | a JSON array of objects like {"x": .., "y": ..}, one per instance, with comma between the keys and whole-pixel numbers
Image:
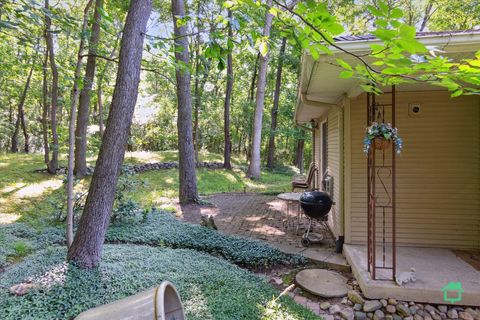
[
  {"x": 153, "y": 228},
  {"x": 211, "y": 288},
  {"x": 162, "y": 229}
]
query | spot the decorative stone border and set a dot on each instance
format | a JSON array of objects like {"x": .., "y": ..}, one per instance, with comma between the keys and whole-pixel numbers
[{"x": 144, "y": 167}]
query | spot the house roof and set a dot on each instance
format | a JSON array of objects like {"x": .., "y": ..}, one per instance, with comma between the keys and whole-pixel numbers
[
  {"x": 321, "y": 88},
  {"x": 366, "y": 37}
]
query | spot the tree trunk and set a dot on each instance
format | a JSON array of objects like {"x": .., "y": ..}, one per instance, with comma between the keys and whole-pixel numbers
[
  {"x": 84, "y": 105},
  {"x": 21, "y": 117},
  {"x": 251, "y": 93},
  {"x": 53, "y": 164},
  {"x": 100, "y": 91},
  {"x": 426, "y": 16},
  {"x": 71, "y": 130},
  {"x": 227, "y": 150},
  {"x": 276, "y": 99},
  {"x": 197, "y": 86},
  {"x": 299, "y": 154},
  {"x": 46, "y": 149},
  {"x": 87, "y": 247},
  {"x": 100, "y": 109},
  {"x": 188, "y": 180},
  {"x": 254, "y": 166}
]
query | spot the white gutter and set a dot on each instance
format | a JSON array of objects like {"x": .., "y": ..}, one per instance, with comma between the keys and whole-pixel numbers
[{"x": 452, "y": 39}]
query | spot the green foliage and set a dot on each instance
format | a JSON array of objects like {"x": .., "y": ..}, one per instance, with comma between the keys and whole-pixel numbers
[
  {"x": 162, "y": 229},
  {"x": 210, "y": 288},
  {"x": 125, "y": 209},
  {"x": 17, "y": 240}
]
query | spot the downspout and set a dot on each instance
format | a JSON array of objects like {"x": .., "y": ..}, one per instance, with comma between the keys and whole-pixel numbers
[{"x": 341, "y": 237}]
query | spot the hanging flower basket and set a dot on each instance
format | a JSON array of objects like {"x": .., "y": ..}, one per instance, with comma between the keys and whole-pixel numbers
[
  {"x": 382, "y": 143},
  {"x": 382, "y": 135}
]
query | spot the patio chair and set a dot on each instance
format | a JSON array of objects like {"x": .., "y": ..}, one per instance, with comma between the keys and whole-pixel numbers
[{"x": 307, "y": 183}]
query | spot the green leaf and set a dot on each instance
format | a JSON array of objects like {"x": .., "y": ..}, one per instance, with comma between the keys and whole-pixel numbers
[
  {"x": 273, "y": 11},
  {"x": 346, "y": 74},
  {"x": 314, "y": 52},
  {"x": 396, "y": 13},
  {"x": 385, "y": 34},
  {"x": 457, "y": 93},
  {"x": 407, "y": 32},
  {"x": 374, "y": 11},
  {"x": 344, "y": 65},
  {"x": 263, "y": 48}
]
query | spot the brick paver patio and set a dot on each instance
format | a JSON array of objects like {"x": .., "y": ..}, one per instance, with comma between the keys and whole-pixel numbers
[{"x": 257, "y": 216}]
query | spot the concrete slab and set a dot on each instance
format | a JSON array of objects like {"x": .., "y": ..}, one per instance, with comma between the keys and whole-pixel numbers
[
  {"x": 435, "y": 268},
  {"x": 323, "y": 283},
  {"x": 326, "y": 257}
]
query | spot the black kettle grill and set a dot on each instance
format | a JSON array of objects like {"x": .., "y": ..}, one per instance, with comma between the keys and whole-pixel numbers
[{"x": 316, "y": 205}]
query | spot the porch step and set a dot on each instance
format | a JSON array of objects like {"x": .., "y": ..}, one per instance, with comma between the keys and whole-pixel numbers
[
  {"x": 326, "y": 258},
  {"x": 323, "y": 256}
]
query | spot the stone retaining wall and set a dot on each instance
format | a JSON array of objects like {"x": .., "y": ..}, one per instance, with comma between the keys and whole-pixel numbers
[{"x": 145, "y": 167}]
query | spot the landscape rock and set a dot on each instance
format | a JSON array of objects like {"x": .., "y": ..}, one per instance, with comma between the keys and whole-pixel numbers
[
  {"x": 417, "y": 317},
  {"x": 435, "y": 316},
  {"x": 465, "y": 316},
  {"x": 422, "y": 312},
  {"x": 347, "y": 314},
  {"x": 372, "y": 305},
  {"x": 473, "y": 313},
  {"x": 397, "y": 317},
  {"x": 430, "y": 308},
  {"x": 390, "y": 309},
  {"x": 388, "y": 317},
  {"x": 328, "y": 317},
  {"x": 357, "y": 307},
  {"x": 22, "y": 288},
  {"x": 413, "y": 310},
  {"x": 442, "y": 308},
  {"x": 325, "y": 305},
  {"x": 378, "y": 315},
  {"x": 359, "y": 315},
  {"x": 355, "y": 297},
  {"x": 403, "y": 310},
  {"x": 384, "y": 302},
  {"x": 392, "y": 301},
  {"x": 334, "y": 309}
]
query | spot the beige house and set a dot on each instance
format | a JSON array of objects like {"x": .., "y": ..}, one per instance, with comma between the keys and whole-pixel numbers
[{"x": 437, "y": 174}]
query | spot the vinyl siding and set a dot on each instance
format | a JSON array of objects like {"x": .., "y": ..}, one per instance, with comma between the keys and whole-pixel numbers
[
  {"x": 438, "y": 172},
  {"x": 333, "y": 123}
]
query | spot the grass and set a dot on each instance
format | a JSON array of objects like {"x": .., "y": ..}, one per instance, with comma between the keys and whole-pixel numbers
[
  {"x": 31, "y": 197},
  {"x": 64, "y": 291}
]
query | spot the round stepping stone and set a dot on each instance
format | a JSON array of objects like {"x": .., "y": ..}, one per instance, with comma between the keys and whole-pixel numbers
[{"x": 323, "y": 283}]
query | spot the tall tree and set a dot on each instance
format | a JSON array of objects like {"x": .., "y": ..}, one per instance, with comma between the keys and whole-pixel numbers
[
  {"x": 84, "y": 105},
  {"x": 86, "y": 249},
  {"x": 276, "y": 99},
  {"x": 53, "y": 164},
  {"x": 188, "y": 179},
  {"x": 101, "y": 76},
  {"x": 254, "y": 165},
  {"x": 21, "y": 117},
  {"x": 45, "y": 108},
  {"x": 227, "y": 150},
  {"x": 71, "y": 130}
]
